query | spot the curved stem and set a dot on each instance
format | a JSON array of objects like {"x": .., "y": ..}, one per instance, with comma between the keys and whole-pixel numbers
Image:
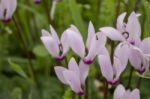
[
  {"x": 106, "y": 90},
  {"x": 130, "y": 78}
]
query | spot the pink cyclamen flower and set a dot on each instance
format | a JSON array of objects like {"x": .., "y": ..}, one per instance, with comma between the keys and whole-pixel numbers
[
  {"x": 37, "y": 1},
  {"x": 140, "y": 55},
  {"x": 57, "y": 48},
  {"x": 121, "y": 93},
  {"x": 112, "y": 71},
  {"x": 129, "y": 32},
  {"x": 94, "y": 43},
  {"x": 7, "y": 8},
  {"x": 74, "y": 76}
]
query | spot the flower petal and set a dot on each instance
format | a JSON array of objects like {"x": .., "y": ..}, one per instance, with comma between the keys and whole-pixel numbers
[
  {"x": 112, "y": 33},
  {"x": 59, "y": 72},
  {"x": 84, "y": 70},
  {"x": 76, "y": 43},
  {"x": 133, "y": 26},
  {"x": 106, "y": 67},
  {"x": 51, "y": 45},
  {"x": 119, "y": 92},
  {"x": 64, "y": 42},
  {"x": 73, "y": 66},
  {"x": 45, "y": 33},
  {"x": 145, "y": 45},
  {"x": 120, "y": 22},
  {"x": 54, "y": 34},
  {"x": 73, "y": 80},
  {"x": 135, "y": 94},
  {"x": 91, "y": 33}
]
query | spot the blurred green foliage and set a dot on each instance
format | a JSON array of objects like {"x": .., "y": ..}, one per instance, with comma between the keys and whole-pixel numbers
[{"x": 15, "y": 79}]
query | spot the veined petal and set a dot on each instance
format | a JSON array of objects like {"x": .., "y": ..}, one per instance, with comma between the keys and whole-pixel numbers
[
  {"x": 145, "y": 46},
  {"x": 84, "y": 70},
  {"x": 106, "y": 67},
  {"x": 119, "y": 92},
  {"x": 133, "y": 26},
  {"x": 64, "y": 42},
  {"x": 73, "y": 66},
  {"x": 54, "y": 34},
  {"x": 135, "y": 59},
  {"x": 120, "y": 22},
  {"x": 135, "y": 94},
  {"x": 73, "y": 80},
  {"x": 51, "y": 45},
  {"x": 59, "y": 72},
  {"x": 122, "y": 53},
  {"x": 112, "y": 33},
  {"x": 91, "y": 33},
  {"x": 76, "y": 43}
]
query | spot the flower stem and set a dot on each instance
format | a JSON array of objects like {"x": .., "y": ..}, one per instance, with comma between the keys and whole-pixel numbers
[
  {"x": 139, "y": 82},
  {"x": 130, "y": 78},
  {"x": 86, "y": 89},
  {"x": 19, "y": 33},
  {"x": 106, "y": 90}
]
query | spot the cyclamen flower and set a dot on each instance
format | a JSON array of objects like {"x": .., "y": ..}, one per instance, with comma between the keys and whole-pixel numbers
[
  {"x": 74, "y": 76},
  {"x": 112, "y": 71},
  {"x": 121, "y": 93},
  {"x": 139, "y": 56},
  {"x": 37, "y": 1},
  {"x": 57, "y": 48},
  {"x": 7, "y": 8},
  {"x": 94, "y": 43},
  {"x": 129, "y": 32}
]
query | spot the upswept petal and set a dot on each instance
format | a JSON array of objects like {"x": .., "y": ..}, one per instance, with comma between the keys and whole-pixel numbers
[
  {"x": 133, "y": 26},
  {"x": 51, "y": 45},
  {"x": 119, "y": 92},
  {"x": 84, "y": 70},
  {"x": 73, "y": 80},
  {"x": 145, "y": 46},
  {"x": 106, "y": 67},
  {"x": 59, "y": 72},
  {"x": 45, "y": 33},
  {"x": 54, "y": 34},
  {"x": 73, "y": 66},
  {"x": 64, "y": 42},
  {"x": 11, "y": 8},
  {"x": 74, "y": 28},
  {"x": 122, "y": 53},
  {"x": 91, "y": 33},
  {"x": 120, "y": 22},
  {"x": 112, "y": 33},
  {"x": 76, "y": 43},
  {"x": 135, "y": 94}
]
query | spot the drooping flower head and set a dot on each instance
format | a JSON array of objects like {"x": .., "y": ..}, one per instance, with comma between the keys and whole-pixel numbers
[
  {"x": 57, "y": 48},
  {"x": 74, "y": 76},
  {"x": 7, "y": 8},
  {"x": 121, "y": 93},
  {"x": 112, "y": 70},
  {"x": 94, "y": 43}
]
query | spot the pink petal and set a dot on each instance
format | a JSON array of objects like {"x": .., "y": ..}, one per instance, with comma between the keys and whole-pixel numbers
[
  {"x": 64, "y": 42},
  {"x": 106, "y": 67},
  {"x": 119, "y": 92},
  {"x": 54, "y": 34},
  {"x": 120, "y": 22},
  {"x": 112, "y": 33},
  {"x": 84, "y": 70},
  {"x": 135, "y": 94},
  {"x": 133, "y": 26},
  {"x": 91, "y": 33},
  {"x": 76, "y": 43},
  {"x": 51, "y": 45},
  {"x": 59, "y": 72},
  {"x": 145, "y": 45},
  {"x": 73, "y": 66},
  {"x": 45, "y": 33},
  {"x": 122, "y": 53},
  {"x": 73, "y": 80}
]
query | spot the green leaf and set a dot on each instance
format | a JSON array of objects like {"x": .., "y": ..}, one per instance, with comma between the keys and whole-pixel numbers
[
  {"x": 16, "y": 93},
  {"x": 40, "y": 50},
  {"x": 17, "y": 68}
]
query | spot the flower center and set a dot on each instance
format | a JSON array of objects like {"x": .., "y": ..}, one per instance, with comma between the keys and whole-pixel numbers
[{"x": 126, "y": 35}]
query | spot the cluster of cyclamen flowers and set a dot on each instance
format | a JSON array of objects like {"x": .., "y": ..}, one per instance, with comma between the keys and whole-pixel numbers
[{"x": 130, "y": 48}]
